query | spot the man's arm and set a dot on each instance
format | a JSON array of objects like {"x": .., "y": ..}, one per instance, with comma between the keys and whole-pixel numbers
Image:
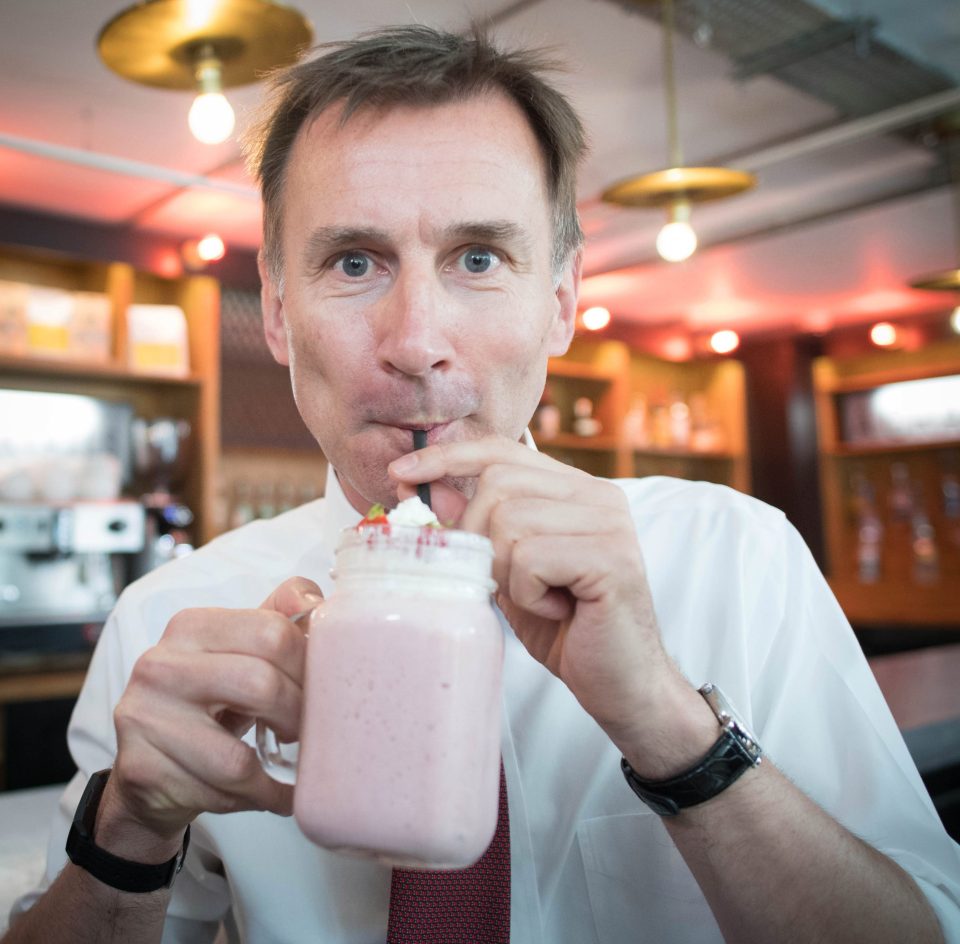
[
  {"x": 571, "y": 578},
  {"x": 772, "y": 864},
  {"x": 78, "y": 909},
  {"x": 804, "y": 877},
  {"x": 179, "y": 753}
]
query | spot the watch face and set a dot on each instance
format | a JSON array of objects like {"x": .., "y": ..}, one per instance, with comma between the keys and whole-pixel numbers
[{"x": 729, "y": 719}]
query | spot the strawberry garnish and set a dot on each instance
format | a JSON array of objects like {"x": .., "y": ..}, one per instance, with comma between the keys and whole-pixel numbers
[{"x": 376, "y": 515}]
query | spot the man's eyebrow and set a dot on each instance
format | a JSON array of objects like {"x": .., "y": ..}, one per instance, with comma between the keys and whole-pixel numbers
[
  {"x": 488, "y": 231},
  {"x": 326, "y": 239}
]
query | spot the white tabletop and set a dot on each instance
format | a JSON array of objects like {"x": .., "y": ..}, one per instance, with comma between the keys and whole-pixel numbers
[{"x": 25, "y": 817}]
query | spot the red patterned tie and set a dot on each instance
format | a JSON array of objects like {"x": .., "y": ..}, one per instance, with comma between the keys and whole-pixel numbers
[{"x": 462, "y": 906}]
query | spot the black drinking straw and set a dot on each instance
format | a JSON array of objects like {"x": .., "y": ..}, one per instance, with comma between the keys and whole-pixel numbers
[{"x": 423, "y": 490}]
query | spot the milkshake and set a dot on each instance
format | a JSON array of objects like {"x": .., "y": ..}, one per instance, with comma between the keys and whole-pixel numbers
[{"x": 400, "y": 739}]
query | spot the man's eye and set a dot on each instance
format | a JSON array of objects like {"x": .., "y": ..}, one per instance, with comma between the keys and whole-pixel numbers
[
  {"x": 480, "y": 260},
  {"x": 354, "y": 264}
]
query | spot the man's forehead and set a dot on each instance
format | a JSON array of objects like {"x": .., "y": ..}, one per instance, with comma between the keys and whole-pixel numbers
[
  {"x": 472, "y": 168},
  {"x": 486, "y": 114}
]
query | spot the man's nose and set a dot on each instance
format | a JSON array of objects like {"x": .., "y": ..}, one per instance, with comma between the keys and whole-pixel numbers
[{"x": 415, "y": 326}]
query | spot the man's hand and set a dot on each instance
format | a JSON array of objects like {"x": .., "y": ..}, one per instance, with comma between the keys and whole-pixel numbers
[
  {"x": 572, "y": 583},
  {"x": 188, "y": 702}
]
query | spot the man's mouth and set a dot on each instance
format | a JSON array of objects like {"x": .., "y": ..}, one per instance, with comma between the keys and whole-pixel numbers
[{"x": 434, "y": 429}]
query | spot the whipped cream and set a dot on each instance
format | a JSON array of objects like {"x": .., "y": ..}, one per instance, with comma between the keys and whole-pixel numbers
[{"x": 412, "y": 512}]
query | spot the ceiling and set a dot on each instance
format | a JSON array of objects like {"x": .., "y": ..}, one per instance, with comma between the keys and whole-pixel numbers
[{"x": 843, "y": 216}]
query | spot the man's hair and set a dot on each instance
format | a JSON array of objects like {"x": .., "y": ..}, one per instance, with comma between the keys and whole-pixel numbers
[{"x": 415, "y": 65}]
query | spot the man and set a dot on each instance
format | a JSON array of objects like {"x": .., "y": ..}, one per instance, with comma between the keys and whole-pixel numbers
[{"x": 420, "y": 264}]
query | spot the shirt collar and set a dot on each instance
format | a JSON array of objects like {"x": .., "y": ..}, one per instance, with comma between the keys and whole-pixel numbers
[{"x": 339, "y": 514}]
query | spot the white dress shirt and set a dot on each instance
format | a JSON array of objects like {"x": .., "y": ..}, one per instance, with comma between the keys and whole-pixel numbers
[{"x": 740, "y": 603}]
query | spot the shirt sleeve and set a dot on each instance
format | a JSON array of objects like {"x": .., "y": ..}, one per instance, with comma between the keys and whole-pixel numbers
[{"x": 824, "y": 722}]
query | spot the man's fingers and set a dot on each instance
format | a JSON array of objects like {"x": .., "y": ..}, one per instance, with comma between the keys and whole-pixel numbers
[
  {"x": 265, "y": 634},
  {"x": 517, "y": 519},
  {"x": 501, "y": 485},
  {"x": 593, "y": 569},
  {"x": 468, "y": 458},
  {"x": 293, "y": 597},
  {"x": 203, "y": 767},
  {"x": 218, "y": 682}
]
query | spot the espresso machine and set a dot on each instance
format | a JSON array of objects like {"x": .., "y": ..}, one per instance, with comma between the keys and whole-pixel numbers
[
  {"x": 161, "y": 454},
  {"x": 68, "y": 539},
  {"x": 64, "y": 564}
]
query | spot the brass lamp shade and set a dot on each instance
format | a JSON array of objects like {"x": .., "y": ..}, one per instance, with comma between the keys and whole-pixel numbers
[
  {"x": 946, "y": 281},
  {"x": 666, "y": 187},
  {"x": 154, "y": 42}
]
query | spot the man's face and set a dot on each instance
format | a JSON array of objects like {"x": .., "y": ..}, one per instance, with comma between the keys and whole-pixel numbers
[{"x": 418, "y": 287}]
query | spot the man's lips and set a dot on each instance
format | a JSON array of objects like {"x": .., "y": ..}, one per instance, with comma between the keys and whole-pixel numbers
[{"x": 435, "y": 430}]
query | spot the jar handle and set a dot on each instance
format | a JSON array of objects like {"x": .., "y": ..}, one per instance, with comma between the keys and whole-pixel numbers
[{"x": 279, "y": 760}]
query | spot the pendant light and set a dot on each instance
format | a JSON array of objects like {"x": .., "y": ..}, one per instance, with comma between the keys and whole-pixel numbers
[
  {"x": 949, "y": 279},
  {"x": 677, "y": 187},
  {"x": 205, "y": 45}
]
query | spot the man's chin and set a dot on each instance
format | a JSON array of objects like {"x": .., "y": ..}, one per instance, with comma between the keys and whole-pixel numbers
[{"x": 364, "y": 496}]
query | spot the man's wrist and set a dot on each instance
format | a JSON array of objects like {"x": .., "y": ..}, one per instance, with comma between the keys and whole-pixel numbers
[
  {"x": 118, "y": 872},
  {"x": 122, "y": 834},
  {"x": 733, "y": 753},
  {"x": 675, "y": 732}
]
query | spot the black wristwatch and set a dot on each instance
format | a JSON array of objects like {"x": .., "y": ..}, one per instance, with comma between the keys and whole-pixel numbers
[
  {"x": 118, "y": 873},
  {"x": 735, "y": 752}
]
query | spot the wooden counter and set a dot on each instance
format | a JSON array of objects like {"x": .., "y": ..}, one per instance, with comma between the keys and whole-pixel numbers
[
  {"x": 59, "y": 675},
  {"x": 922, "y": 688}
]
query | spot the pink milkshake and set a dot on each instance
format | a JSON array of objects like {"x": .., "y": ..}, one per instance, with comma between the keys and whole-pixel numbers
[{"x": 400, "y": 740}]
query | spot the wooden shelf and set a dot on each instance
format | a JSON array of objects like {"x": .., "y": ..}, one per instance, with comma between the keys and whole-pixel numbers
[
  {"x": 574, "y": 370},
  {"x": 572, "y": 441},
  {"x": 891, "y": 602},
  {"x": 195, "y": 398},
  {"x": 858, "y": 477},
  {"x": 80, "y": 370},
  {"x": 612, "y": 377},
  {"x": 692, "y": 454},
  {"x": 891, "y": 448}
]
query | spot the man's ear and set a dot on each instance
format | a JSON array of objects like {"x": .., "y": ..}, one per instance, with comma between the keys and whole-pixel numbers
[
  {"x": 271, "y": 304},
  {"x": 568, "y": 291}
]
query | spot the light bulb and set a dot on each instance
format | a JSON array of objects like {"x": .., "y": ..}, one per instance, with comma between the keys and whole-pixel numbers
[
  {"x": 596, "y": 319},
  {"x": 210, "y": 248},
  {"x": 883, "y": 334},
  {"x": 676, "y": 241},
  {"x": 724, "y": 341},
  {"x": 211, "y": 118},
  {"x": 955, "y": 320}
]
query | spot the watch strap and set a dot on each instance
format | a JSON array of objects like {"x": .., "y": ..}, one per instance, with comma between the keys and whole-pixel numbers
[
  {"x": 112, "y": 870},
  {"x": 723, "y": 764},
  {"x": 733, "y": 753}
]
